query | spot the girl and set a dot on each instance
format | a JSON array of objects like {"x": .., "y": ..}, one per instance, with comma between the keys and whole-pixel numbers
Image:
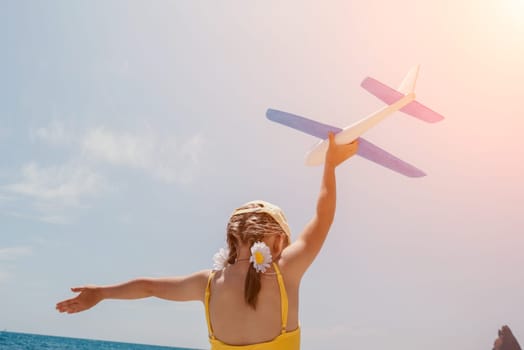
[{"x": 251, "y": 298}]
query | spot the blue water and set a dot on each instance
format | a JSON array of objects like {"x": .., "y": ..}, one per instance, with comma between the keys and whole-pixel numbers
[{"x": 23, "y": 341}]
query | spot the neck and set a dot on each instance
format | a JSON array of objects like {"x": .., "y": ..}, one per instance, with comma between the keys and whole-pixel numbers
[{"x": 243, "y": 253}]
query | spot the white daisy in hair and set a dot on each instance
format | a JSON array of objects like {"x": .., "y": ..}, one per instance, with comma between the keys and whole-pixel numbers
[
  {"x": 220, "y": 259},
  {"x": 260, "y": 257}
]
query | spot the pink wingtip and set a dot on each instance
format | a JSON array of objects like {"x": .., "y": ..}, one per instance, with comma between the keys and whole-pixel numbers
[
  {"x": 381, "y": 90},
  {"x": 390, "y": 96},
  {"x": 418, "y": 110}
]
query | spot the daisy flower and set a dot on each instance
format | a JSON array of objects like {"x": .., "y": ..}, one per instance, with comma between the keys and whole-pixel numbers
[
  {"x": 220, "y": 259},
  {"x": 260, "y": 257}
]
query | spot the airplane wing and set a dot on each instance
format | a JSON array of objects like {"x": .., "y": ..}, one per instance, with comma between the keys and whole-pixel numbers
[
  {"x": 377, "y": 155},
  {"x": 365, "y": 149},
  {"x": 390, "y": 95},
  {"x": 299, "y": 123}
]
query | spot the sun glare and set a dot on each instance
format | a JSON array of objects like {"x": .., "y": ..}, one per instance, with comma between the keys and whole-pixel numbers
[{"x": 515, "y": 12}]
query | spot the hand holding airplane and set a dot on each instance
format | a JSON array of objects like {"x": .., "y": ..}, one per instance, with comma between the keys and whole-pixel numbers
[{"x": 402, "y": 100}]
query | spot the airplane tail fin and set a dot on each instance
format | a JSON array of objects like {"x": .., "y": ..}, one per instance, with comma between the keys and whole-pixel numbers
[
  {"x": 408, "y": 84},
  {"x": 390, "y": 96}
]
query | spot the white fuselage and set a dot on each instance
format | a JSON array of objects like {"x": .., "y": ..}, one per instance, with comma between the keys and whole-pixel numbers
[{"x": 352, "y": 132}]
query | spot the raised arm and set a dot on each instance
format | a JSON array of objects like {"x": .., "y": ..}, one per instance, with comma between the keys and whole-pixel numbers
[
  {"x": 298, "y": 256},
  {"x": 185, "y": 288}
]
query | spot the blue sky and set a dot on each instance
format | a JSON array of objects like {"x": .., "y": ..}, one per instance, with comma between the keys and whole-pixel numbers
[{"x": 130, "y": 130}]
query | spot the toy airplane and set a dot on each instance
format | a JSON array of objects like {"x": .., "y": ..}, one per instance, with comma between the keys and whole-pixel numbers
[{"x": 402, "y": 100}]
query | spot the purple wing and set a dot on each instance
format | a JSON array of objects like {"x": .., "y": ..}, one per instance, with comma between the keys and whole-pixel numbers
[
  {"x": 365, "y": 149},
  {"x": 390, "y": 96},
  {"x": 308, "y": 126},
  {"x": 376, "y": 154}
]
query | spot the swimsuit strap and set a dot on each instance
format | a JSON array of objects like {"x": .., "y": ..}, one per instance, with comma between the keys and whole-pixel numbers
[
  {"x": 283, "y": 298},
  {"x": 206, "y": 302}
]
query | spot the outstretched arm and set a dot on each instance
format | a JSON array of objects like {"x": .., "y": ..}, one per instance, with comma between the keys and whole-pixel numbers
[
  {"x": 298, "y": 256},
  {"x": 184, "y": 288}
]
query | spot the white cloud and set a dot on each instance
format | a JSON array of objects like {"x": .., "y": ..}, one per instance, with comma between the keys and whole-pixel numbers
[
  {"x": 54, "y": 219},
  {"x": 119, "y": 148},
  {"x": 41, "y": 212},
  {"x": 13, "y": 253},
  {"x": 65, "y": 183},
  {"x": 164, "y": 158},
  {"x": 53, "y": 189},
  {"x": 55, "y": 134},
  {"x": 154, "y": 151}
]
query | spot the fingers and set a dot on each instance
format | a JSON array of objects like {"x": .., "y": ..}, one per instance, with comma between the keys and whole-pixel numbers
[
  {"x": 85, "y": 300},
  {"x": 68, "y": 302},
  {"x": 337, "y": 153},
  {"x": 69, "y": 306},
  {"x": 350, "y": 148},
  {"x": 331, "y": 138},
  {"x": 332, "y": 143},
  {"x": 353, "y": 144}
]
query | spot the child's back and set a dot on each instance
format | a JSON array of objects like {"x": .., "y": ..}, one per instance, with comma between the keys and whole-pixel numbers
[{"x": 235, "y": 322}]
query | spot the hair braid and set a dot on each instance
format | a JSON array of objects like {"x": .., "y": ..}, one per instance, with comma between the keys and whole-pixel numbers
[{"x": 249, "y": 228}]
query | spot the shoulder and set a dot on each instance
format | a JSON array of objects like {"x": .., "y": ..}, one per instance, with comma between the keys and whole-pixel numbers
[
  {"x": 198, "y": 280},
  {"x": 202, "y": 276},
  {"x": 288, "y": 272}
]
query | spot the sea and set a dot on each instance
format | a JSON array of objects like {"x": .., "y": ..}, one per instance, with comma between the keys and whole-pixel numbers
[{"x": 24, "y": 341}]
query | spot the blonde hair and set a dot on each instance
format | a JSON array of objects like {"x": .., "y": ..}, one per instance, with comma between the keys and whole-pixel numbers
[{"x": 247, "y": 228}]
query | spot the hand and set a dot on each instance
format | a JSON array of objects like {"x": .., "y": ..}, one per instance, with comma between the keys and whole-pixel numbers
[
  {"x": 336, "y": 154},
  {"x": 89, "y": 296},
  {"x": 506, "y": 340}
]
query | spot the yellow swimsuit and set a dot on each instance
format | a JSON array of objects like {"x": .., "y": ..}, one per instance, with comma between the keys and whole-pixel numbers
[{"x": 286, "y": 340}]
